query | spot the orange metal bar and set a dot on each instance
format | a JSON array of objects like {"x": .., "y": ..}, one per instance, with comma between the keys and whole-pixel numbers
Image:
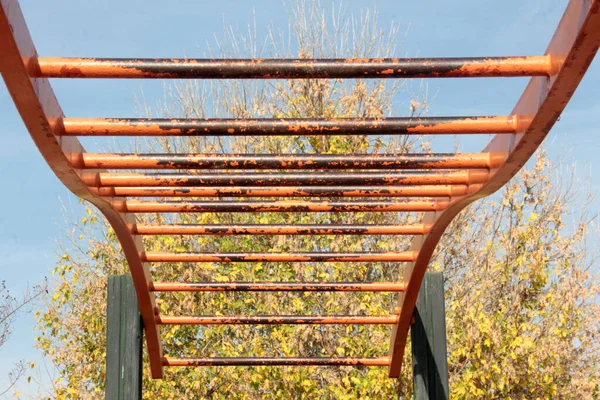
[
  {"x": 294, "y": 191},
  {"x": 285, "y": 161},
  {"x": 279, "y": 320},
  {"x": 299, "y": 68},
  {"x": 290, "y": 361},
  {"x": 571, "y": 50},
  {"x": 465, "y": 177},
  {"x": 42, "y": 116},
  {"x": 146, "y": 229},
  {"x": 404, "y": 256},
  {"x": 278, "y": 287},
  {"x": 136, "y": 206},
  {"x": 293, "y": 127}
]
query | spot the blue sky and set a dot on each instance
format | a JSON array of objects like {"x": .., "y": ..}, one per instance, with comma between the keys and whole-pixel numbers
[{"x": 31, "y": 213}]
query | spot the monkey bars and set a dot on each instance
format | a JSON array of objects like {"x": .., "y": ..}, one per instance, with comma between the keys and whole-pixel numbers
[{"x": 438, "y": 185}]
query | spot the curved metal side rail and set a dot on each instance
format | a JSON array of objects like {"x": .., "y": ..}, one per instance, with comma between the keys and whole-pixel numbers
[
  {"x": 572, "y": 49},
  {"x": 43, "y": 116}
]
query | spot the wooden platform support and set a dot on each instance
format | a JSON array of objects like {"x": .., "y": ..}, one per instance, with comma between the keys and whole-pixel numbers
[
  {"x": 124, "y": 340},
  {"x": 428, "y": 334}
]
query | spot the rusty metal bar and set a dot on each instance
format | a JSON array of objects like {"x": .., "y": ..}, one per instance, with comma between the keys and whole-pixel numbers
[
  {"x": 185, "y": 68},
  {"x": 137, "y": 206},
  {"x": 286, "y": 127},
  {"x": 295, "y": 191},
  {"x": 404, "y": 256},
  {"x": 223, "y": 229},
  {"x": 278, "y": 320},
  {"x": 286, "y": 161},
  {"x": 465, "y": 177},
  {"x": 289, "y": 361},
  {"x": 278, "y": 287}
]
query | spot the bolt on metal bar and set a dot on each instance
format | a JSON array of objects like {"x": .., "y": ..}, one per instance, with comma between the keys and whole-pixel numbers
[
  {"x": 137, "y": 206},
  {"x": 252, "y": 229},
  {"x": 185, "y": 68},
  {"x": 473, "y": 176},
  {"x": 278, "y": 320},
  {"x": 277, "y": 287},
  {"x": 289, "y": 361},
  {"x": 284, "y": 161},
  {"x": 293, "y": 191},
  {"x": 403, "y": 256},
  {"x": 286, "y": 127}
]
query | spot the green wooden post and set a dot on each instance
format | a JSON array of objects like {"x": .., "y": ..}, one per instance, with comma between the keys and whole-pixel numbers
[
  {"x": 428, "y": 336},
  {"x": 124, "y": 336}
]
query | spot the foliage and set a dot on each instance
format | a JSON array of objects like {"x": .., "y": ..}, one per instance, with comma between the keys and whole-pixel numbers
[
  {"x": 10, "y": 308},
  {"x": 522, "y": 303},
  {"x": 522, "y": 310}
]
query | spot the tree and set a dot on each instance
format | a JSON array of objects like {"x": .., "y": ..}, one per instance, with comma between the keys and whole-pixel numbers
[
  {"x": 522, "y": 305},
  {"x": 10, "y": 308},
  {"x": 522, "y": 301}
]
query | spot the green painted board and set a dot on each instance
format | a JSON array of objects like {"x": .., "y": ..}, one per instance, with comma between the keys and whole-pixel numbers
[
  {"x": 428, "y": 337},
  {"x": 124, "y": 337}
]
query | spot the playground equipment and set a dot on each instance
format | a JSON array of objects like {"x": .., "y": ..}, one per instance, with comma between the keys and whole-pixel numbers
[{"x": 438, "y": 185}]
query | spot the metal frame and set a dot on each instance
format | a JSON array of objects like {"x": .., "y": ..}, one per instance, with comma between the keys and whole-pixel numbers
[{"x": 449, "y": 183}]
